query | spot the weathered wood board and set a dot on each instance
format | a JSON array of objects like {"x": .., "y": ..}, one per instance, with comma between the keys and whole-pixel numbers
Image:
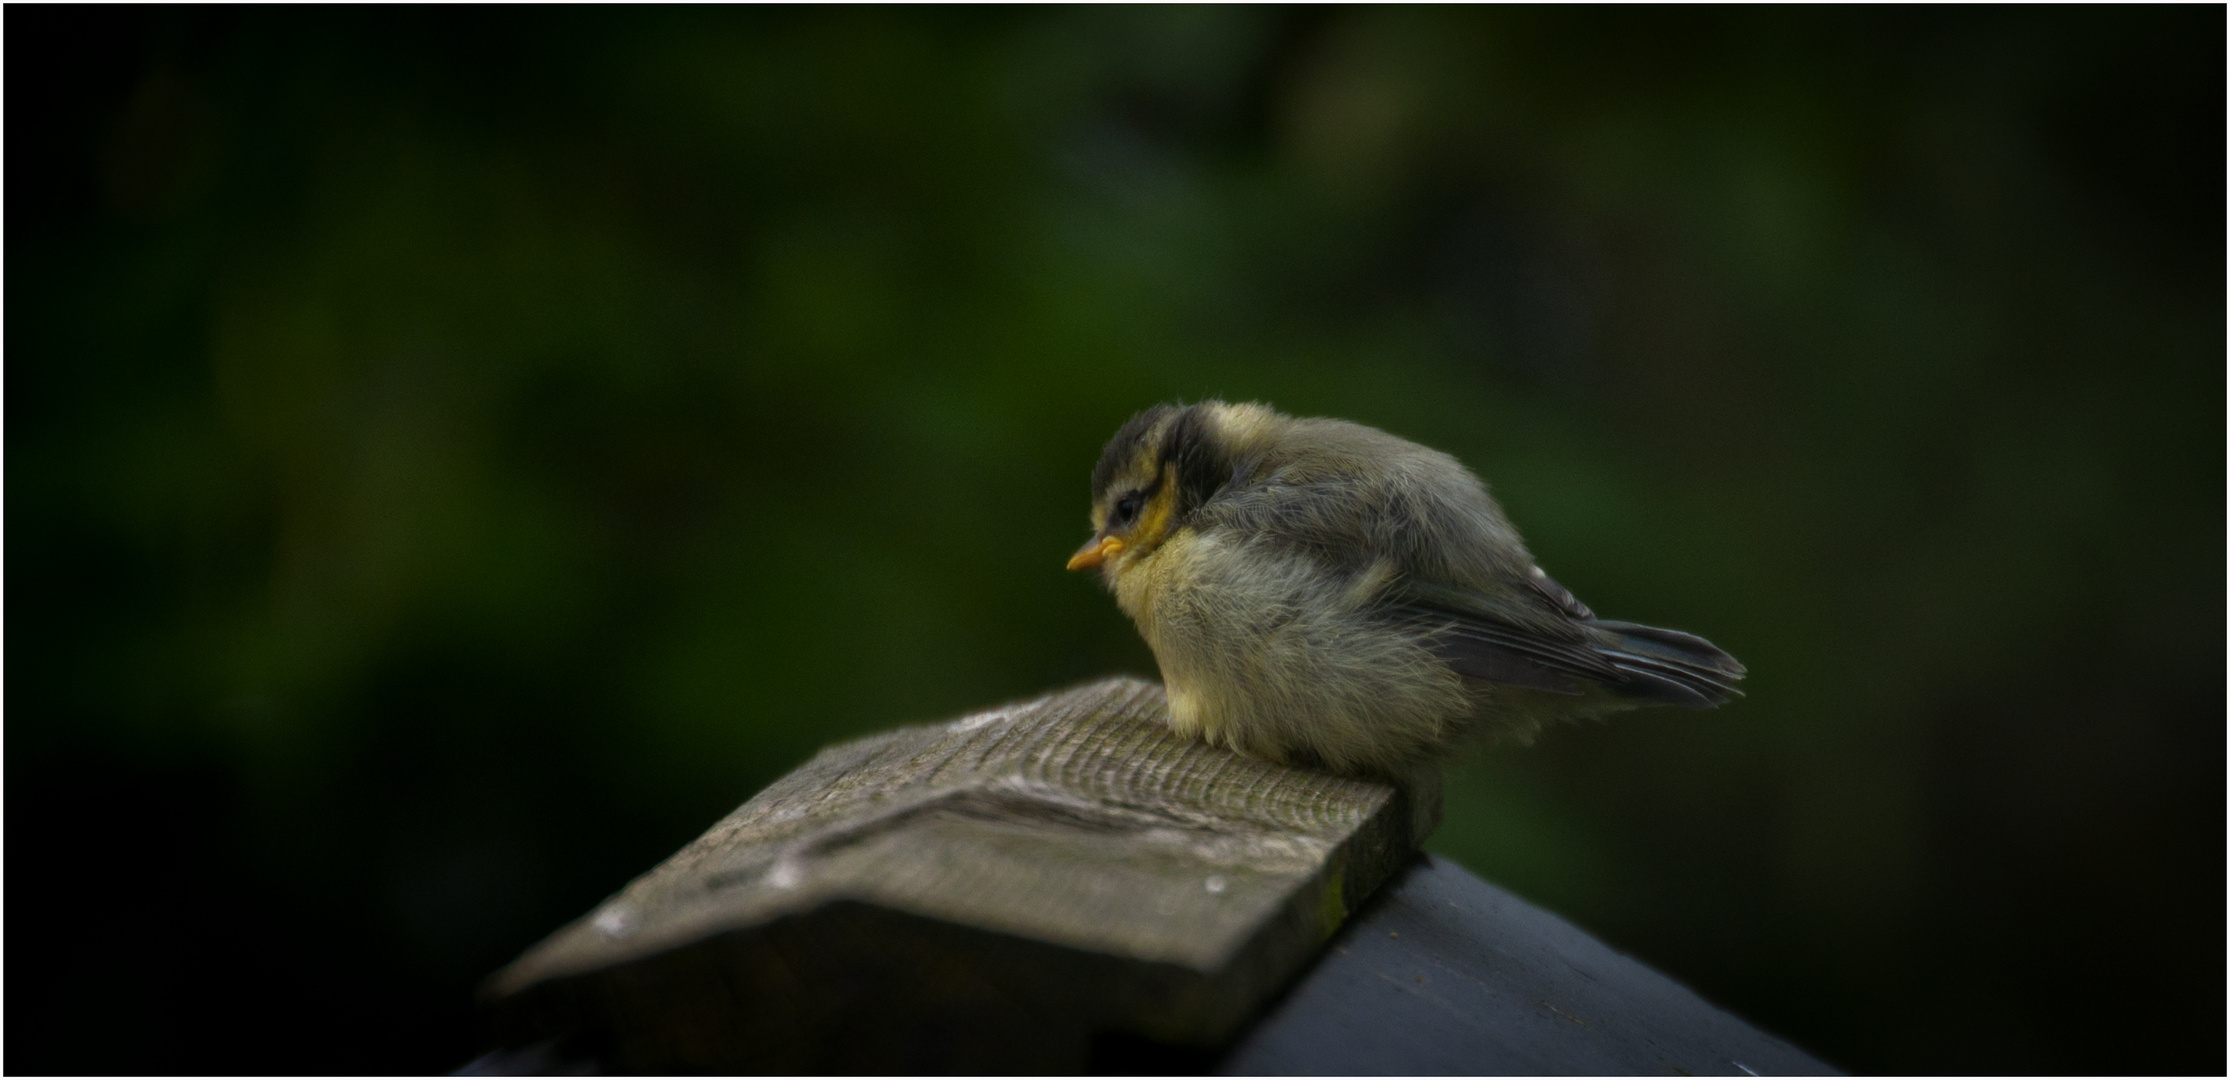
[{"x": 1004, "y": 892}]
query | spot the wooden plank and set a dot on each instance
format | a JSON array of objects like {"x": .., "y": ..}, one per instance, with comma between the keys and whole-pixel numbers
[{"x": 1014, "y": 890}]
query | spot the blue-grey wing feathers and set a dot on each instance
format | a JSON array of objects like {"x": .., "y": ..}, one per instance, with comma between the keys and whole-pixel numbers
[
  {"x": 1667, "y": 667},
  {"x": 1562, "y": 648}
]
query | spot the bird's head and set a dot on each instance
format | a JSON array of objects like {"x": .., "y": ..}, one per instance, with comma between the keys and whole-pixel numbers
[{"x": 1160, "y": 467}]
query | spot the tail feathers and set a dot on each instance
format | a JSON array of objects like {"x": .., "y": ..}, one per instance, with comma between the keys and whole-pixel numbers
[{"x": 1667, "y": 667}]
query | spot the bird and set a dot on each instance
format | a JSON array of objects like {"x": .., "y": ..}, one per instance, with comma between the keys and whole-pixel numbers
[{"x": 1321, "y": 593}]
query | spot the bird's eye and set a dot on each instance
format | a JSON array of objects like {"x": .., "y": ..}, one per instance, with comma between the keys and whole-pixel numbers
[{"x": 1126, "y": 509}]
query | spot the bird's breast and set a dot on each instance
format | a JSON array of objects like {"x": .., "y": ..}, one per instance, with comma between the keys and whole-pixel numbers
[{"x": 1143, "y": 583}]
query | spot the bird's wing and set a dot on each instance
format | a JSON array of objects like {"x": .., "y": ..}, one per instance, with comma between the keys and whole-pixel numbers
[
  {"x": 1521, "y": 631},
  {"x": 1668, "y": 667},
  {"x": 1511, "y": 635},
  {"x": 1534, "y": 634},
  {"x": 1518, "y": 628}
]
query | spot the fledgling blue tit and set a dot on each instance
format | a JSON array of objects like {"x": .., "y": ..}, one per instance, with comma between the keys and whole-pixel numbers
[{"x": 1319, "y": 592}]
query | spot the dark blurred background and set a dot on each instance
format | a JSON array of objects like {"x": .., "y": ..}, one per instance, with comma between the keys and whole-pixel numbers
[{"x": 455, "y": 456}]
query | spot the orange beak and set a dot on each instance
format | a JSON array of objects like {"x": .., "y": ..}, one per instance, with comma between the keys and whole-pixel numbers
[{"x": 1095, "y": 551}]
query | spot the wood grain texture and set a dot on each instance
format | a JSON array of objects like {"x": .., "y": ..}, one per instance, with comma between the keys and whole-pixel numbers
[{"x": 1003, "y": 892}]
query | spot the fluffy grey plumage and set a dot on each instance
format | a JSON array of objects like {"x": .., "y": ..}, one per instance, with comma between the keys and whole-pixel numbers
[{"x": 1322, "y": 592}]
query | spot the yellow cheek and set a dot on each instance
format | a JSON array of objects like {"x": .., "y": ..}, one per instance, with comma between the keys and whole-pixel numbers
[{"x": 1153, "y": 521}]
